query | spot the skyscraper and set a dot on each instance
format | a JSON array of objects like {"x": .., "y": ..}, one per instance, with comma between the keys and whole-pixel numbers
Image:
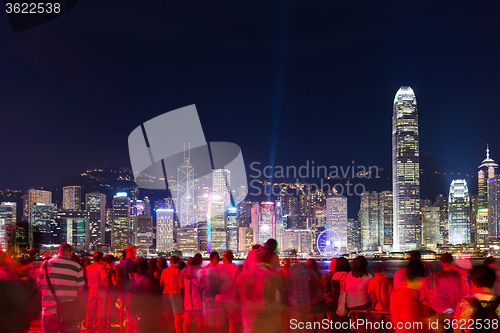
[
  {"x": 216, "y": 224},
  {"x": 185, "y": 193},
  {"x": 165, "y": 230},
  {"x": 431, "y": 226},
  {"x": 494, "y": 211},
  {"x": 144, "y": 233},
  {"x": 487, "y": 170},
  {"x": 386, "y": 225},
  {"x": 95, "y": 205},
  {"x": 459, "y": 212},
  {"x": 121, "y": 235},
  {"x": 221, "y": 185},
  {"x": 336, "y": 218},
  {"x": 30, "y": 199},
  {"x": 72, "y": 198},
  {"x": 232, "y": 229},
  {"x": 263, "y": 222},
  {"x": 7, "y": 224},
  {"x": 370, "y": 221},
  {"x": 405, "y": 171}
]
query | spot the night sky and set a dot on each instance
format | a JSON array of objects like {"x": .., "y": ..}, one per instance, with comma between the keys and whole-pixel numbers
[{"x": 297, "y": 81}]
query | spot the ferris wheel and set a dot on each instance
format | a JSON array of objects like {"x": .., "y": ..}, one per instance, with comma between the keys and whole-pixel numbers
[{"x": 329, "y": 243}]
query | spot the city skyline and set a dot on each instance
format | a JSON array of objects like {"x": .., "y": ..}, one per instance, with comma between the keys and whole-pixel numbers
[{"x": 311, "y": 66}]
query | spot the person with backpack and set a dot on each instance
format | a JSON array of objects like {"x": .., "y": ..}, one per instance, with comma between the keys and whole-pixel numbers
[{"x": 480, "y": 311}]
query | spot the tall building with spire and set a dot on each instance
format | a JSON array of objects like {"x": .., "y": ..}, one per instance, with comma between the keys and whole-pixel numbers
[
  {"x": 185, "y": 193},
  {"x": 459, "y": 212},
  {"x": 405, "y": 172},
  {"x": 487, "y": 170}
]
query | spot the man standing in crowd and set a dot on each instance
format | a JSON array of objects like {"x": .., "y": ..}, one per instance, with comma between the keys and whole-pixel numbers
[
  {"x": 127, "y": 271},
  {"x": 97, "y": 304},
  {"x": 173, "y": 304},
  {"x": 226, "y": 302},
  {"x": 66, "y": 277},
  {"x": 211, "y": 288}
]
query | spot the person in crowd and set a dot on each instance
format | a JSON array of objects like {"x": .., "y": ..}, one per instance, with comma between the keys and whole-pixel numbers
[
  {"x": 66, "y": 277},
  {"x": 380, "y": 288},
  {"x": 193, "y": 300},
  {"x": 97, "y": 303},
  {"x": 286, "y": 313},
  {"x": 298, "y": 291},
  {"x": 318, "y": 308},
  {"x": 226, "y": 301},
  {"x": 271, "y": 244},
  {"x": 161, "y": 264},
  {"x": 153, "y": 266},
  {"x": 444, "y": 289},
  {"x": 173, "y": 305},
  {"x": 494, "y": 264},
  {"x": 111, "y": 288},
  {"x": 251, "y": 261},
  {"x": 127, "y": 272},
  {"x": 408, "y": 313},
  {"x": 342, "y": 267},
  {"x": 257, "y": 286},
  {"x": 12, "y": 259},
  {"x": 144, "y": 299},
  {"x": 210, "y": 288},
  {"x": 400, "y": 275},
  {"x": 482, "y": 306},
  {"x": 356, "y": 284}
]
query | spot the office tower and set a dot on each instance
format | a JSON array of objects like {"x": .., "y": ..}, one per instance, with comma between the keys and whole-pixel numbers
[
  {"x": 31, "y": 198},
  {"x": 72, "y": 198},
  {"x": 431, "y": 226},
  {"x": 245, "y": 214},
  {"x": 187, "y": 241},
  {"x": 321, "y": 218},
  {"x": 336, "y": 218},
  {"x": 459, "y": 212},
  {"x": 203, "y": 234},
  {"x": 289, "y": 204},
  {"x": 494, "y": 211},
  {"x": 245, "y": 235},
  {"x": 370, "y": 221},
  {"x": 147, "y": 206},
  {"x": 487, "y": 170},
  {"x": 221, "y": 179},
  {"x": 482, "y": 226},
  {"x": 442, "y": 203},
  {"x": 185, "y": 193},
  {"x": 121, "y": 233},
  {"x": 216, "y": 224},
  {"x": 386, "y": 211},
  {"x": 232, "y": 229},
  {"x": 164, "y": 230},
  {"x": 41, "y": 224},
  {"x": 353, "y": 235},
  {"x": 263, "y": 222},
  {"x": 95, "y": 205},
  {"x": 72, "y": 226},
  {"x": 405, "y": 172},
  {"x": 279, "y": 223},
  {"x": 7, "y": 224},
  {"x": 298, "y": 240},
  {"x": 144, "y": 233}
]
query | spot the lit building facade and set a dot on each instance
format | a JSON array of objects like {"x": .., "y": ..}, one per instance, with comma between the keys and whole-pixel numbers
[
  {"x": 187, "y": 241},
  {"x": 406, "y": 172},
  {"x": 298, "y": 240},
  {"x": 232, "y": 229},
  {"x": 386, "y": 212},
  {"x": 164, "y": 230},
  {"x": 71, "y": 226},
  {"x": 336, "y": 218},
  {"x": 216, "y": 224},
  {"x": 72, "y": 198},
  {"x": 185, "y": 194},
  {"x": 487, "y": 170},
  {"x": 245, "y": 235},
  {"x": 31, "y": 198},
  {"x": 144, "y": 233},
  {"x": 431, "y": 221},
  {"x": 459, "y": 212},
  {"x": 121, "y": 235},
  {"x": 42, "y": 224},
  {"x": 95, "y": 205},
  {"x": 370, "y": 221},
  {"x": 353, "y": 235},
  {"x": 494, "y": 211},
  {"x": 263, "y": 222},
  {"x": 7, "y": 224}
]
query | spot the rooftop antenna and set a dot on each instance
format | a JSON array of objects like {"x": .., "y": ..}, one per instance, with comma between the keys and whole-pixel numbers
[{"x": 487, "y": 152}]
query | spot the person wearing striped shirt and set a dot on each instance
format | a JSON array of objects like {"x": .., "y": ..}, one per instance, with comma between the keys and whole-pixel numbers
[{"x": 68, "y": 282}]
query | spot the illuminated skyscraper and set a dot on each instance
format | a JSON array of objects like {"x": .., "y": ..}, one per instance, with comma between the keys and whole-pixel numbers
[
  {"x": 222, "y": 185},
  {"x": 245, "y": 239},
  {"x": 263, "y": 222},
  {"x": 41, "y": 223},
  {"x": 494, "y": 211},
  {"x": 30, "y": 199},
  {"x": 95, "y": 205},
  {"x": 487, "y": 170},
  {"x": 144, "y": 233},
  {"x": 405, "y": 172},
  {"x": 165, "y": 230},
  {"x": 386, "y": 211},
  {"x": 72, "y": 198},
  {"x": 459, "y": 212},
  {"x": 185, "y": 193},
  {"x": 370, "y": 221},
  {"x": 216, "y": 224},
  {"x": 7, "y": 224},
  {"x": 431, "y": 226},
  {"x": 353, "y": 235},
  {"x": 336, "y": 218},
  {"x": 121, "y": 235},
  {"x": 232, "y": 229}
]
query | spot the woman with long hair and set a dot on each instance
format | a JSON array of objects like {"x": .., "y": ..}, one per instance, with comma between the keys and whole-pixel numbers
[
  {"x": 317, "y": 289},
  {"x": 357, "y": 285}
]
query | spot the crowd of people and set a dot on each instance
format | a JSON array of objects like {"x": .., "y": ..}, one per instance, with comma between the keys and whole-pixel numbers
[{"x": 135, "y": 295}]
